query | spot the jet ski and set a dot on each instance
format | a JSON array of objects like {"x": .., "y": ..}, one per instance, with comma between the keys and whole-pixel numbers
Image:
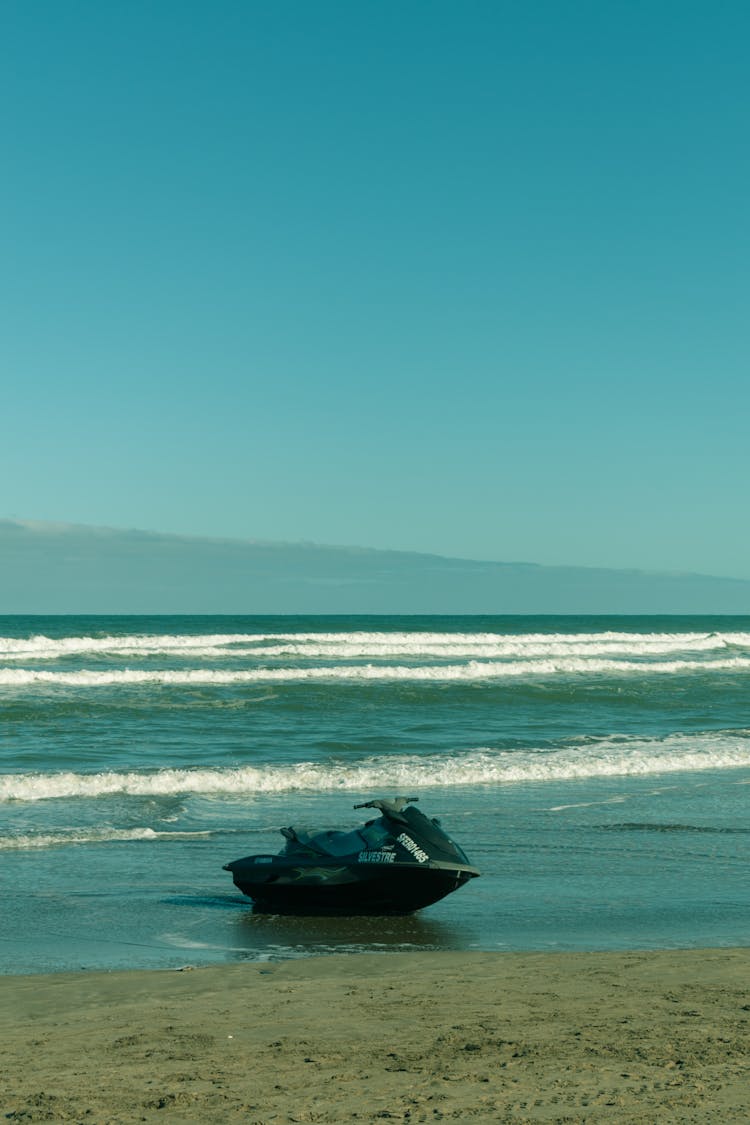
[{"x": 395, "y": 863}]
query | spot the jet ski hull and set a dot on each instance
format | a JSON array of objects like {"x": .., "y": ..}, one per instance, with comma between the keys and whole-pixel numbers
[{"x": 316, "y": 888}]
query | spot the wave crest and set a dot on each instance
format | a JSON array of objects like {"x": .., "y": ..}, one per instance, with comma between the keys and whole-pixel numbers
[
  {"x": 360, "y": 643},
  {"x": 472, "y": 670},
  {"x": 585, "y": 758}
]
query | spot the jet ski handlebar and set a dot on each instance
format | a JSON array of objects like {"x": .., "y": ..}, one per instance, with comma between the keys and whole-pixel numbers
[{"x": 389, "y": 807}]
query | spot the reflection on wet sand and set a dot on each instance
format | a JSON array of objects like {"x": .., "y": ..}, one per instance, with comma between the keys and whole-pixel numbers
[{"x": 261, "y": 936}]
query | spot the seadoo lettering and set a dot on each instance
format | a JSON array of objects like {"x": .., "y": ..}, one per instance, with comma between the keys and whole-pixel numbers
[{"x": 416, "y": 851}]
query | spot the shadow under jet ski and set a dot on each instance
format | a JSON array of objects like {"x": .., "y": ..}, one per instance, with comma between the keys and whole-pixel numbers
[{"x": 279, "y": 936}]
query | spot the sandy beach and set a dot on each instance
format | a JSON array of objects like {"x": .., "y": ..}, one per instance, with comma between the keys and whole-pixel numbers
[{"x": 626, "y": 1037}]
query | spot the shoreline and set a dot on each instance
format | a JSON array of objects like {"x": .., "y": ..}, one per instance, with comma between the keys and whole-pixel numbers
[{"x": 633, "y": 1036}]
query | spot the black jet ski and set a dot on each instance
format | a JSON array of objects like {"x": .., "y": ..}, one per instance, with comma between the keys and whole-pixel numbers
[{"x": 394, "y": 864}]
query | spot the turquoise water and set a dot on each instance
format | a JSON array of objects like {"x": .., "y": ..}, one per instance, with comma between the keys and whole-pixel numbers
[{"x": 595, "y": 769}]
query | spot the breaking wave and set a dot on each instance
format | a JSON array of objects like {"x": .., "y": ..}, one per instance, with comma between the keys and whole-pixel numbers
[
  {"x": 472, "y": 670},
  {"x": 362, "y": 643},
  {"x": 583, "y": 758},
  {"x": 91, "y": 836}
]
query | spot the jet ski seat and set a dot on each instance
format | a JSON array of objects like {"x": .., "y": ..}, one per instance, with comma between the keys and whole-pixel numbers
[{"x": 330, "y": 843}]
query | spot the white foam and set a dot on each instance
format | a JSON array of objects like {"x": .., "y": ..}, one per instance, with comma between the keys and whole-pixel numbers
[
  {"x": 473, "y": 670},
  {"x": 44, "y": 646},
  {"x": 585, "y": 758},
  {"x": 90, "y": 836},
  {"x": 361, "y": 643}
]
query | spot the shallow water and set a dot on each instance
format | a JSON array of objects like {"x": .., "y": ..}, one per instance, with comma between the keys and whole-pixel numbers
[{"x": 596, "y": 770}]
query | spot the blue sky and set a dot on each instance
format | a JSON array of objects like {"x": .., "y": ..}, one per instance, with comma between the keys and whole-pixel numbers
[{"x": 467, "y": 278}]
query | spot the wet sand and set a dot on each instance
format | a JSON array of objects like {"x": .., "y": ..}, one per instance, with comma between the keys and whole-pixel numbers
[{"x": 621, "y": 1037}]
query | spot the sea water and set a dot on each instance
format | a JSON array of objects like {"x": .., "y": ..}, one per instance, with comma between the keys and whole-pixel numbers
[{"x": 595, "y": 769}]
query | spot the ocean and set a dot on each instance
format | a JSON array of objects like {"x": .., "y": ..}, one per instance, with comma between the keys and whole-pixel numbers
[{"x": 595, "y": 769}]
